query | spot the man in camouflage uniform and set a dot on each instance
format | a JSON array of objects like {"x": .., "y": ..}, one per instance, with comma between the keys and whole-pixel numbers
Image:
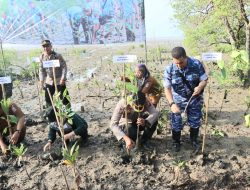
[{"x": 185, "y": 78}]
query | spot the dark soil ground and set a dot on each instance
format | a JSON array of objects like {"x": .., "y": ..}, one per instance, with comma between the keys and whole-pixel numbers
[{"x": 101, "y": 163}]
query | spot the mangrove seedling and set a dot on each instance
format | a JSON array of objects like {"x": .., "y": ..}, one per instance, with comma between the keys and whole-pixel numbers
[
  {"x": 217, "y": 133},
  {"x": 70, "y": 157},
  {"x": 17, "y": 84},
  {"x": 180, "y": 163},
  {"x": 19, "y": 152},
  {"x": 163, "y": 119},
  {"x": 5, "y": 104}
]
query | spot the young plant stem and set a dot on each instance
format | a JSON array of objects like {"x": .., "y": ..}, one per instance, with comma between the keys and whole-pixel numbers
[
  {"x": 206, "y": 120},
  {"x": 74, "y": 171},
  {"x": 126, "y": 103},
  {"x": 21, "y": 92},
  {"x": 224, "y": 97},
  {"x": 38, "y": 91},
  {"x": 65, "y": 179},
  {"x": 7, "y": 118},
  {"x": 54, "y": 76},
  {"x": 19, "y": 161},
  {"x": 57, "y": 120}
]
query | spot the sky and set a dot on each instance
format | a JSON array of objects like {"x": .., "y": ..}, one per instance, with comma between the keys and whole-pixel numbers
[{"x": 160, "y": 22}]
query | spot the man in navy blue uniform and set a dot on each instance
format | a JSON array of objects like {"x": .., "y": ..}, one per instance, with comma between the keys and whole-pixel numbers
[{"x": 184, "y": 79}]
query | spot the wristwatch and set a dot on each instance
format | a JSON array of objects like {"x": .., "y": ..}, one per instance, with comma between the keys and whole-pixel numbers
[{"x": 170, "y": 105}]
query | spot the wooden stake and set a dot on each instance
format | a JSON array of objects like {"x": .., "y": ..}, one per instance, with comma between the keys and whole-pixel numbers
[
  {"x": 65, "y": 178},
  {"x": 57, "y": 120},
  {"x": 206, "y": 121},
  {"x": 126, "y": 103},
  {"x": 54, "y": 76},
  {"x": 38, "y": 90}
]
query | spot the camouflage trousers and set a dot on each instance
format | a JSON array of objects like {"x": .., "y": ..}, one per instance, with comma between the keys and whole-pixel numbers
[{"x": 193, "y": 113}]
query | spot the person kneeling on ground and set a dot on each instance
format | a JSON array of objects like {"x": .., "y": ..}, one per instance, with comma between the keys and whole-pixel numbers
[
  {"x": 140, "y": 113},
  {"x": 18, "y": 130},
  {"x": 78, "y": 128}
]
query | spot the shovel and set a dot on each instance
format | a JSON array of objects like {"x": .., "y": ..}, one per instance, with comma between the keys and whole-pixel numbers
[{"x": 184, "y": 113}]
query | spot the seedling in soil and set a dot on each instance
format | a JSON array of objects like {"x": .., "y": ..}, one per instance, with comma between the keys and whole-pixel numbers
[
  {"x": 180, "y": 163},
  {"x": 70, "y": 157},
  {"x": 163, "y": 119},
  {"x": 17, "y": 84},
  {"x": 5, "y": 104},
  {"x": 222, "y": 78},
  {"x": 19, "y": 152},
  {"x": 217, "y": 133}
]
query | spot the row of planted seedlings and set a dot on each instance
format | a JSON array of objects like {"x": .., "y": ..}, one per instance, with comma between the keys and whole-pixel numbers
[{"x": 64, "y": 113}]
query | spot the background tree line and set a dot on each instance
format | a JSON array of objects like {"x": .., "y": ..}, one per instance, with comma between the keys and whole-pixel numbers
[{"x": 221, "y": 25}]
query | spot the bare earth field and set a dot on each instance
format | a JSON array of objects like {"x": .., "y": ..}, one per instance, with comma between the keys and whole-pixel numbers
[{"x": 225, "y": 164}]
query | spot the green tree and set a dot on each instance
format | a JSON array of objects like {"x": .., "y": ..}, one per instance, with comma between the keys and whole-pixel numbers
[{"x": 215, "y": 25}]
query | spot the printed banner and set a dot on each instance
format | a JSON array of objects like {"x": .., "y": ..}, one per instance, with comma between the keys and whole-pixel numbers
[{"x": 72, "y": 21}]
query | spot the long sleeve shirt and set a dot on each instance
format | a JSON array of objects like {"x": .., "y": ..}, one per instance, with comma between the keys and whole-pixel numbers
[
  {"x": 79, "y": 127},
  {"x": 46, "y": 74},
  {"x": 118, "y": 119}
]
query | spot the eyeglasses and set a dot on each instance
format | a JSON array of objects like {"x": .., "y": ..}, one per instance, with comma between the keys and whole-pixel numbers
[
  {"x": 138, "y": 108},
  {"x": 47, "y": 45}
]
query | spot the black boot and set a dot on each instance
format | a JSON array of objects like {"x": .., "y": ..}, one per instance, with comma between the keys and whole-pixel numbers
[
  {"x": 194, "y": 132},
  {"x": 177, "y": 140}
]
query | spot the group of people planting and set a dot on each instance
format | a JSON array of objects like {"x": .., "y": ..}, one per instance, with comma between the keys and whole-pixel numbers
[{"x": 184, "y": 81}]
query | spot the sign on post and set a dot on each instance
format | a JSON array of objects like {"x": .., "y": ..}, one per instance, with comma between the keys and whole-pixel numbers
[
  {"x": 5, "y": 80},
  {"x": 124, "y": 58},
  {"x": 51, "y": 63},
  {"x": 211, "y": 56}
]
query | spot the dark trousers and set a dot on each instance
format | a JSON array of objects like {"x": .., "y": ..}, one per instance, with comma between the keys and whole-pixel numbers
[
  {"x": 52, "y": 90},
  {"x": 51, "y": 115},
  {"x": 147, "y": 134}
]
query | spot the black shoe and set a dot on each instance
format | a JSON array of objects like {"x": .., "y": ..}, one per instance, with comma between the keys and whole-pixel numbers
[{"x": 177, "y": 146}]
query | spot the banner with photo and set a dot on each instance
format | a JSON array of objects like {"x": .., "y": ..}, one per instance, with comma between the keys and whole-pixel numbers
[{"x": 72, "y": 21}]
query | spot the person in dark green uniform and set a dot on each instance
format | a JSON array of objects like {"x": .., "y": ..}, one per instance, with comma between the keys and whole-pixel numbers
[{"x": 79, "y": 127}]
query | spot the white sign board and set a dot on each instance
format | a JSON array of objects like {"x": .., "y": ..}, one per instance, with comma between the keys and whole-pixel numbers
[
  {"x": 211, "y": 56},
  {"x": 124, "y": 58},
  {"x": 5, "y": 80},
  {"x": 51, "y": 63},
  {"x": 36, "y": 59}
]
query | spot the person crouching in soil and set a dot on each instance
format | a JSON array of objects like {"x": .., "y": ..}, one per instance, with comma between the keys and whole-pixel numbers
[
  {"x": 78, "y": 128},
  {"x": 140, "y": 113},
  {"x": 17, "y": 130}
]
